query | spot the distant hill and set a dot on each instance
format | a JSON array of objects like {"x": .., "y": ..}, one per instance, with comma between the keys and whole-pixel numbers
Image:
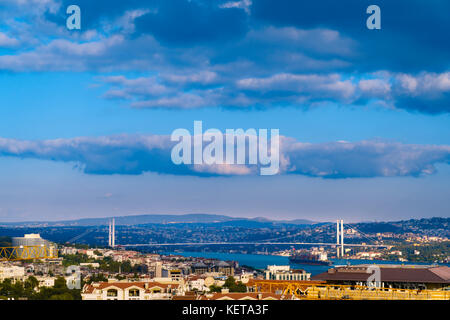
[
  {"x": 295, "y": 221},
  {"x": 5, "y": 241},
  {"x": 161, "y": 219},
  {"x": 436, "y": 224}
]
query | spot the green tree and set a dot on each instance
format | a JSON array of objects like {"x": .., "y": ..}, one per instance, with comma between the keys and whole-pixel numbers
[
  {"x": 214, "y": 288},
  {"x": 75, "y": 259},
  {"x": 98, "y": 253},
  {"x": 62, "y": 296},
  {"x": 32, "y": 282},
  {"x": 239, "y": 287},
  {"x": 60, "y": 283},
  {"x": 58, "y": 292},
  {"x": 29, "y": 286},
  {"x": 8, "y": 289},
  {"x": 100, "y": 277},
  {"x": 231, "y": 284}
]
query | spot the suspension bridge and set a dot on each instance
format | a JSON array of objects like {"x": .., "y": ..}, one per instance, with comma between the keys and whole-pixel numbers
[
  {"x": 43, "y": 252},
  {"x": 339, "y": 244}
]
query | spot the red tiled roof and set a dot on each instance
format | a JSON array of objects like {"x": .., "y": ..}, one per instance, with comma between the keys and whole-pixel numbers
[
  {"x": 184, "y": 298},
  {"x": 125, "y": 285},
  {"x": 88, "y": 288}
]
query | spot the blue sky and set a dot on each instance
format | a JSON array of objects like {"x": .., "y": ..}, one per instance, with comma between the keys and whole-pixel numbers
[{"x": 85, "y": 114}]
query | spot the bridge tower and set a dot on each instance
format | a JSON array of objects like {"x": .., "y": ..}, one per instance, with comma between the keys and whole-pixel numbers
[
  {"x": 340, "y": 238},
  {"x": 109, "y": 234},
  {"x": 112, "y": 233}
]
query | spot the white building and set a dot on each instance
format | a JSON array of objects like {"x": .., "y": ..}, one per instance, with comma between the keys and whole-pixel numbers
[
  {"x": 286, "y": 273},
  {"x": 46, "y": 281},
  {"x": 196, "y": 283},
  {"x": 91, "y": 253},
  {"x": 244, "y": 277},
  {"x": 368, "y": 254},
  {"x": 68, "y": 250},
  {"x": 8, "y": 271},
  {"x": 90, "y": 264},
  {"x": 130, "y": 291}
]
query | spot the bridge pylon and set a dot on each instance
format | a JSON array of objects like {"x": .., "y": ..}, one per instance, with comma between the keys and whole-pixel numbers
[
  {"x": 340, "y": 238},
  {"x": 112, "y": 233}
]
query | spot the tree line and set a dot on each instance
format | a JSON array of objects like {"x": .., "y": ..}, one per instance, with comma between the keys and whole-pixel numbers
[{"x": 29, "y": 290}]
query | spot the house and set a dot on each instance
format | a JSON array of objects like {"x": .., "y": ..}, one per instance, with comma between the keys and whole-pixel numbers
[
  {"x": 196, "y": 283},
  {"x": 129, "y": 291},
  {"x": 245, "y": 277},
  {"x": 46, "y": 281},
  {"x": 9, "y": 271},
  {"x": 286, "y": 273},
  {"x": 90, "y": 264}
]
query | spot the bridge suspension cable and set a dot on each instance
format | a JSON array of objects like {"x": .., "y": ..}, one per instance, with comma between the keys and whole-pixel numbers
[
  {"x": 80, "y": 235},
  {"x": 362, "y": 233}
]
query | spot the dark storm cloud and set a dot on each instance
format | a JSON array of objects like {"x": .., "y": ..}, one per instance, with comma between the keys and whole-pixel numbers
[
  {"x": 414, "y": 34},
  {"x": 263, "y": 53}
]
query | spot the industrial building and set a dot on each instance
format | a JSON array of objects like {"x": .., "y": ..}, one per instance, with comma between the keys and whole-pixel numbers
[
  {"x": 217, "y": 267},
  {"x": 391, "y": 276},
  {"x": 34, "y": 240}
]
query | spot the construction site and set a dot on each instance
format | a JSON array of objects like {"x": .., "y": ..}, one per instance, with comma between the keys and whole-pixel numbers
[{"x": 311, "y": 290}]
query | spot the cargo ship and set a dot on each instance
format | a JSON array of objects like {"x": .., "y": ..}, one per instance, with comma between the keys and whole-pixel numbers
[{"x": 316, "y": 258}]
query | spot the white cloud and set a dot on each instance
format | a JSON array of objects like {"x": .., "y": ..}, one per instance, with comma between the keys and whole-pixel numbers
[
  {"x": 323, "y": 86},
  {"x": 59, "y": 55},
  {"x": 375, "y": 87},
  {"x": 138, "y": 87},
  {"x": 136, "y": 154},
  {"x": 425, "y": 83},
  {"x": 7, "y": 42},
  {"x": 242, "y": 4},
  {"x": 325, "y": 41},
  {"x": 202, "y": 77}
]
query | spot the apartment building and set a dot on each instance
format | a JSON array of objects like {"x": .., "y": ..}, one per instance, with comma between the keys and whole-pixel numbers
[
  {"x": 130, "y": 291},
  {"x": 286, "y": 273},
  {"x": 9, "y": 271}
]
